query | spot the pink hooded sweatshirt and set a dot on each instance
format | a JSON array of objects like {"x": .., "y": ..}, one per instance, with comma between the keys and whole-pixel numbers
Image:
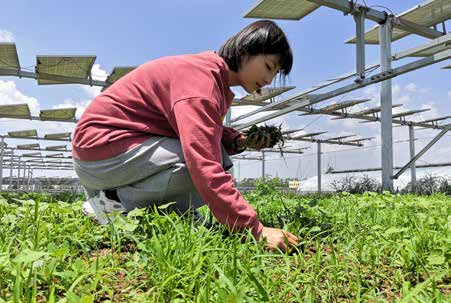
[{"x": 183, "y": 97}]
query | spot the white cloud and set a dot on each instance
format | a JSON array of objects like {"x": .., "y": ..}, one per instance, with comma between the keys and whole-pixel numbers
[
  {"x": 80, "y": 105},
  {"x": 449, "y": 94},
  {"x": 6, "y": 36},
  {"x": 97, "y": 74},
  {"x": 9, "y": 94},
  {"x": 411, "y": 87}
]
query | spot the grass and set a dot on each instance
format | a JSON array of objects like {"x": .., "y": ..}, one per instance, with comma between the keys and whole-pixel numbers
[{"x": 354, "y": 248}]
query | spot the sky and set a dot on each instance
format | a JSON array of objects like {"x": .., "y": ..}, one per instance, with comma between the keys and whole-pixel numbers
[{"x": 130, "y": 33}]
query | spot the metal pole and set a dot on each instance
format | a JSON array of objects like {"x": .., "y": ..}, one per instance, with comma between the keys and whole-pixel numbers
[
  {"x": 413, "y": 169},
  {"x": 386, "y": 106},
  {"x": 11, "y": 171},
  {"x": 2, "y": 149},
  {"x": 319, "y": 166},
  {"x": 28, "y": 178},
  {"x": 24, "y": 178},
  {"x": 18, "y": 173},
  {"x": 263, "y": 165},
  {"x": 360, "y": 44}
]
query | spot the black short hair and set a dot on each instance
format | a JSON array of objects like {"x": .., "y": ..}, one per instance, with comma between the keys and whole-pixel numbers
[{"x": 261, "y": 37}]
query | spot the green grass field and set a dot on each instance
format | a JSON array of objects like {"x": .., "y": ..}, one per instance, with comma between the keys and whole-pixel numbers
[{"x": 354, "y": 248}]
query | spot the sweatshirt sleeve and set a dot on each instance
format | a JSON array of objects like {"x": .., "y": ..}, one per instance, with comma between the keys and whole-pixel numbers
[
  {"x": 228, "y": 138},
  {"x": 199, "y": 126}
]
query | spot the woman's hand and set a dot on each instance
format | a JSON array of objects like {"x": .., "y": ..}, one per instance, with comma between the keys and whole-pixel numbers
[
  {"x": 278, "y": 239},
  {"x": 254, "y": 141}
]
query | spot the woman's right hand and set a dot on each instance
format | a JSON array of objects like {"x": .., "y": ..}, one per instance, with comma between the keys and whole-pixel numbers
[{"x": 277, "y": 238}]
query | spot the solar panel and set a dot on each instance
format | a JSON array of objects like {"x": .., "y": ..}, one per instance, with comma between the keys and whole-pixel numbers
[
  {"x": 240, "y": 102},
  {"x": 287, "y": 132},
  {"x": 266, "y": 93},
  {"x": 340, "y": 137},
  {"x": 40, "y": 160},
  {"x": 58, "y": 155},
  {"x": 373, "y": 110},
  {"x": 435, "y": 119},
  {"x": 37, "y": 154},
  {"x": 428, "y": 14},
  {"x": 118, "y": 72},
  {"x": 56, "y": 147},
  {"x": 62, "y": 114},
  {"x": 409, "y": 112},
  {"x": 359, "y": 140},
  {"x": 31, "y": 133},
  {"x": 15, "y": 111},
  {"x": 57, "y": 136},
  {"x": 29, "y": 146},
  {"x": 342, "y": 105},
  {"x": 48, "y": 68},
  {"x": 8, "y": 57},
  {"x": 282, "y": 9},
  {"x": 308, "y": 135}
]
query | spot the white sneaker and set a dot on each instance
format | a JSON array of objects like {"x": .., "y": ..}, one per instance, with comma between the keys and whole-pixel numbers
[{"x": 98, "y": 207}]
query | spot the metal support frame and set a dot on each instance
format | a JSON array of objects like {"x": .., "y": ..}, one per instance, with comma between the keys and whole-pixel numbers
[
  {"x": 2, "y": 149},
  {"x": 361, "y": 170},
  {"x": 359, "y": 19},
  {"x": 312, "y": 99},
  {"x": 18, "y": 172},
  {"x": 319, "y": 166},
  {"x": 263, "y": 165},
  {"x": 11, "y": 173},
  {"x": 385, "y": 32},
  {"x": 349, "y": 7},
  {"x": 413, "y": 170},
  {"x": 425, "y": 149}
]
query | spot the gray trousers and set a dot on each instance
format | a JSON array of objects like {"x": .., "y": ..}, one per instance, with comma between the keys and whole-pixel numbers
[{"x": 152, "y": 173}]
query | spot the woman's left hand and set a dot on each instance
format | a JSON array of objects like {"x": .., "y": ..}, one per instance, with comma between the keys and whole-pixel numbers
[{"x": 254, "y": 141}]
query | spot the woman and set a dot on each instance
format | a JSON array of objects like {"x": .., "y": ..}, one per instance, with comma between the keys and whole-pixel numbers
[{"x": 157, "y": 135}]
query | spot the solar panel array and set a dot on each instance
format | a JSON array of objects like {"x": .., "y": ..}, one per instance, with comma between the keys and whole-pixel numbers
[{"x": 56, "y": 69}]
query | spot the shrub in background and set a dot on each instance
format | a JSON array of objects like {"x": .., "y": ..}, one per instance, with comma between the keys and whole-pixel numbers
[
  {"x": 356, "y": 185},
  {"x": 428, "y": 185}
]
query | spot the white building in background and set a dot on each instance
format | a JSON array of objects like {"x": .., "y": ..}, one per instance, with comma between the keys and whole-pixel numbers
[{"x": 311, "y": 184}]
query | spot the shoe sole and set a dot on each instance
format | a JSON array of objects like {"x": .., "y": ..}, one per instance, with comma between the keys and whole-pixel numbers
[{"x": 93, "y": 213}]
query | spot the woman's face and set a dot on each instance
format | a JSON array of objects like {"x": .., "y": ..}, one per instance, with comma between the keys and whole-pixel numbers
[{"x": 257, "y": 71}]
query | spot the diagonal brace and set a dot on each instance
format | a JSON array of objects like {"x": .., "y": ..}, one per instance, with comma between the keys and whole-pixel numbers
[{"x": 425, "y": 149}]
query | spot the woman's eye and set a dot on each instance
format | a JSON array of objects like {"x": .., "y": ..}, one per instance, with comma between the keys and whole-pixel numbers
[{"x": 268, "y": 67}]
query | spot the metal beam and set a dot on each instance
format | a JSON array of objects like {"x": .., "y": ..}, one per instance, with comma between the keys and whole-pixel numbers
[
  {"x": 68, "y": 80},
  {"x": 425, "y": 149},
  {"x": 362, "y": 170},
  {"x": 443, "y": 41},
  {"x": 37, "y": 138},
  {"x": 415, "y": 28},
  {"x": 359, "y": 144}
]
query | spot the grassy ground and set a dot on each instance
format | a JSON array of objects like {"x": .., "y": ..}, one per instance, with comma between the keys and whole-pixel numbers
[{"x": 354, "y": 248}]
